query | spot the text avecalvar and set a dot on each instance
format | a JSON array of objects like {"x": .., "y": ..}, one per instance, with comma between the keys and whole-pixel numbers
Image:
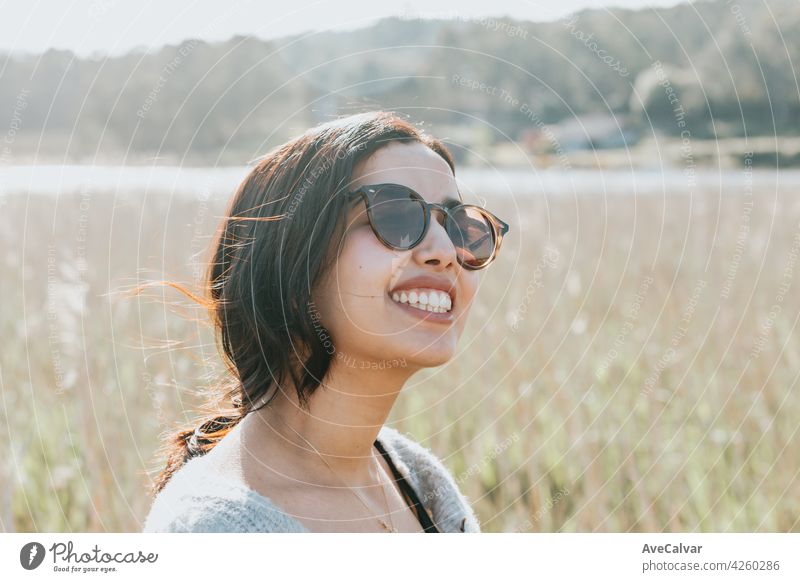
[{"x": 671, "y": 549}]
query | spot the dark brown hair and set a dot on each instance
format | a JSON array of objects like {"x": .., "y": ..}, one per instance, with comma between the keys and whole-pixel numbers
[{"x": 281, "y": 233}]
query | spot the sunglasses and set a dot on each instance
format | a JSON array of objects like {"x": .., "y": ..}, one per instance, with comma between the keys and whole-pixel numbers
[{"x": 400, "y": 218}]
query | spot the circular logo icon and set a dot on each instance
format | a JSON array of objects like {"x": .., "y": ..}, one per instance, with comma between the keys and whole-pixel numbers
[{"x": 31, "y": 555}]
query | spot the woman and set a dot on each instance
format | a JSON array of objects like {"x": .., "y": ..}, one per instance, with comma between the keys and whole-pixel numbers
[{"x": 345, "y": 264}]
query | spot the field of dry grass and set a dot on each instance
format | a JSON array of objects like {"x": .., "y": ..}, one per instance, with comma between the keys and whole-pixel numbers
[{"x": 631, "y": 362}]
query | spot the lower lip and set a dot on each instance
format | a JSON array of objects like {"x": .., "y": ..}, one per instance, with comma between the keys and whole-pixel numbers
[{"x": 431, "y": 316}]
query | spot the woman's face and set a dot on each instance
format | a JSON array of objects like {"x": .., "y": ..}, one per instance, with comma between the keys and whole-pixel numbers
[{"x": 358, "y": 301}]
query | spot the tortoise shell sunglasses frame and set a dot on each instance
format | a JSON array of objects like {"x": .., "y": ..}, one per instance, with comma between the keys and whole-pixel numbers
[{"x": 498, "y": 229}]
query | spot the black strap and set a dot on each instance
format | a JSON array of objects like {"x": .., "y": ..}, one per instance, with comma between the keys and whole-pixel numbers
[{"x": 422, "y": 514}]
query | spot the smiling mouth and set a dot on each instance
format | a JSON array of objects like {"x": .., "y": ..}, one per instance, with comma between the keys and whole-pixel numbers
[{"x": 424, "y": 299}]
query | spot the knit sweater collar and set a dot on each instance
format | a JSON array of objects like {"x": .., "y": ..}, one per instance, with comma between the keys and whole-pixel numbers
[{"x": 198, "y": 498}]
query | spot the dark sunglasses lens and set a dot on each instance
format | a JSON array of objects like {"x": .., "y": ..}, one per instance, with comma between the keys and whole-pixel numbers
[
  {"x": 397, "y": 217},
  {"x": 473, "y": 236}
]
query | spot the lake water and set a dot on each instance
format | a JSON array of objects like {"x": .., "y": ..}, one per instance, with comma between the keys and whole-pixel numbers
[{"x": 219, "y": 181}]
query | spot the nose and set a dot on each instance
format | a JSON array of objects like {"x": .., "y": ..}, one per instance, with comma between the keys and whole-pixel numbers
[{"x": 436, "y": 248}]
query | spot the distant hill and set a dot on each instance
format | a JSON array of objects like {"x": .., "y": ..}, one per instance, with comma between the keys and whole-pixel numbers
[{"x": 732, "y": 67}]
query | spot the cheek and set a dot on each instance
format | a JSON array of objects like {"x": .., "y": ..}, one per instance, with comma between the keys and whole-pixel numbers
[
  {"x": 470, "y": 280},
  {"x": 357, "y": 285},
  {"x": 467, "y": 291},
  {"x": 364, "y": 262}
]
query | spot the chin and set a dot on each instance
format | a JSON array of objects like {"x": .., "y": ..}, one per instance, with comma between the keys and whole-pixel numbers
[
  {"x": 429, "y": 362},
  {"x": 429, "y": 357}
]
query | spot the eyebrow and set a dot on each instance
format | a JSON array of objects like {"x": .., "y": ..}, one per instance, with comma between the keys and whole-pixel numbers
[{"x": 449, "y": 202}]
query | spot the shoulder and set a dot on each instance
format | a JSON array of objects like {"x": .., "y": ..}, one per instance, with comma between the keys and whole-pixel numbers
[
  {"x": 196, "y": 499},
  {"x": 433, "y": 482}
]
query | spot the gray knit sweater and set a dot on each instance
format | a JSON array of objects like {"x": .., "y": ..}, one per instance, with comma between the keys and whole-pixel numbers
[{"x": 199, "y": 499}]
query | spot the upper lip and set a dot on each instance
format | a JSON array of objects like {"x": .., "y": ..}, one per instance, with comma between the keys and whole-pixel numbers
[{"x": 429, "y": 282}]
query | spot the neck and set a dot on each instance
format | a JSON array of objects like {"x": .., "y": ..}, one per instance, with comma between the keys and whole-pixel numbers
[{"x": 345, "y": 414}]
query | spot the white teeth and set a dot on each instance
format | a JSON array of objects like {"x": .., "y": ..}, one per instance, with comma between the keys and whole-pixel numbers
[{"x": 425, "y": 299}]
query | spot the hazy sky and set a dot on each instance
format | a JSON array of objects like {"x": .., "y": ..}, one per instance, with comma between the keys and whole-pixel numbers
[{"x": 116, "y": 26}]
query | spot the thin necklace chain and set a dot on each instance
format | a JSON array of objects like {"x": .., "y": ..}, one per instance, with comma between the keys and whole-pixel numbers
[{"x": 388, "y": 526}]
